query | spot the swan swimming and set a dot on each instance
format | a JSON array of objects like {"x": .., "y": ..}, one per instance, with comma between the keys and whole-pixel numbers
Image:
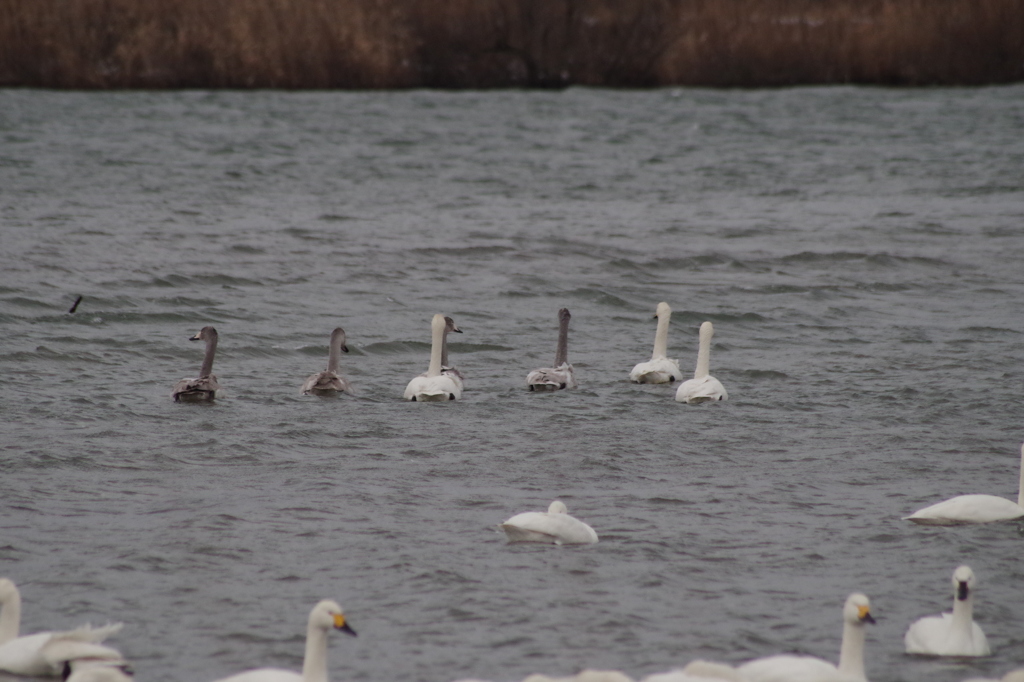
[
  {"x": 789, "y": 668},
  {"x": 950, "y": 634},
  {"x": 205, "y": 387},
  {"x": 324, "y": 616},
  {"x": 553, "y": 526},
  {"x": 659, "y": 369},
  {"x": 329, "y": 382},
  {"x": 560, "y": 375},
  {"x": 435, "y": 385},
  {"x": 24, "y": 655},
  {"x": 699, "y": 671},
  {"x": 86, "y": 662},
  {"x": 702, "y": 387},
  {"x": 965, "y": 509}
]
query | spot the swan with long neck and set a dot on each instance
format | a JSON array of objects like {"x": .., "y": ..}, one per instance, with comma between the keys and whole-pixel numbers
[
  {"x": 702, "y": 387},
  {"x": 26, "y": 655},
  {"x": 434, "y": 385},
  {"x": 786, "y": 668},
  {"x": 329, "y": 382},
  {"x": 561, "y": 374},
  {"x": 659, "y": 369},
  {"x": 950, "y": 634},
  {"x": 554, "y": 526},
  {"x": 324, "y": 616},
  {"x": 967, "y": 509},
  {"x": 453, "y": 372},
  {"x": 205, "y": 386}
]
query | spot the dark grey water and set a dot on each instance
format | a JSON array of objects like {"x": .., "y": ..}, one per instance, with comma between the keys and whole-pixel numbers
[{"x": 859, "y": 251}]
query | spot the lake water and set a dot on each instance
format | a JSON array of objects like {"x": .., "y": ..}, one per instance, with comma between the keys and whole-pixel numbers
[{"x": 859, "y": 251}]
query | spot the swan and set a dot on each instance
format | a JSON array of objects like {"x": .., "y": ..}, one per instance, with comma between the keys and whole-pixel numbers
[
  {"x": 24, "y": 655},
  {"x": 453, "y": 372},
  {"x": 205, "y": 387},
  {"x": 659, "y": 369},
  {"x": 86, "y": 662},
  {"x": 560, "y": 375},
  {"x": 699, "y": 671},
  {"x": 434, "y": 385},
  {"x": 950, "y": 634},
  {"x": 965, "y": 509},
  {"x": 553, "y": 526},
  {"x": 702, "y": 387},
  {"x": 587, "y": 675},
  {"x": 789, "y": 668},
  {"x": 324, "y": 616},
  {"x": 329, "y": 382}
]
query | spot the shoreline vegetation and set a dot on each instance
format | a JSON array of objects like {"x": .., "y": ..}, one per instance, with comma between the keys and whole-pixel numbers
[{"x": 95, "y": 44}]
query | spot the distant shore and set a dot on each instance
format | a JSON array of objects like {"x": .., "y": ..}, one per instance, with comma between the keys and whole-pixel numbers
[{"x": 92, "y": 44}]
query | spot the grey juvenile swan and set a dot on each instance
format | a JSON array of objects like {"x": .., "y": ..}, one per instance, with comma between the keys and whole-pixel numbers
[
  {"x": 560, "y": 375},
  {"x": 453, "y": 372},
  {"x": 205, "y": 387},
  {"x": 329, "y": 382}
]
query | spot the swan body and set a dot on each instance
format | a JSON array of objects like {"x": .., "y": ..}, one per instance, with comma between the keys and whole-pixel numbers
[
  {"x": 435, "y": 385},
  {"x": 324, "y": 616},
  {"x": 329, "y": 382},
  {"x": 86, "y": 662},
  {"x": 787, "y": 668},
  {"x": 561, "y": 374},
  {"x": 659, "y": 369},
  {"x": 25, "y": 655},
  {"x": 950, "y": 634},
  {"x": 966, "y": 509},
  {"x": 702, "y": 387},
  {"x": 205, "y": 386},
  {"x": 699, "y": 671},
  {"x": 553, "y": 526}
]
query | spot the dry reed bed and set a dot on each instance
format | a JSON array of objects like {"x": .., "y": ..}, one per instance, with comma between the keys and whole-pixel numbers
[{"x": 503, "y": 43}]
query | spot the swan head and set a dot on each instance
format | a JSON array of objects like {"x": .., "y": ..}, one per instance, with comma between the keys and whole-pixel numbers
[
  {"x": 857, "y": 610},
  {"x": 662, "y": 310},
  {"x": 327, "y": 614},
  {"x": 337, "y": 336},
  {"x": 963, "y": 582},
  {"x": 450, "y": 326},
  {"x": 563, "y": 315},
  {"x": 7, "y": 590},
  {"x": 558, "y": 507},
  {"x": 204, "y": 334},
  {"x": 707, "y": 330}
]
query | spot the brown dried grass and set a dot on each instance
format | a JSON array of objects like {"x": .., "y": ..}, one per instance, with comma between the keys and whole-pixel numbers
[{"x": 503, "y": 43}]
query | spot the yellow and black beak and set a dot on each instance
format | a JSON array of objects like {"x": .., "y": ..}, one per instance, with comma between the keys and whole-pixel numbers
[
  {"x": 340, "y": 624},
  {"x": 197, "y": 337},
  {"x": 864, "y": 613}
]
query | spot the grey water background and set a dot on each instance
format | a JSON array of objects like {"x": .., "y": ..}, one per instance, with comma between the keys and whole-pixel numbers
[{"x": 859, "y": 251}]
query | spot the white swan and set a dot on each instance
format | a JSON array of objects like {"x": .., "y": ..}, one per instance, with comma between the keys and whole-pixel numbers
[
  {"x": 553, "y": 526},
  {"x": 446, "y": 369},
  {"x": 434, "y": 385},
  {"x": 24, "y": 655},
  {"x": 86, "y": 662},
  {"x": 659, "y": 369},
  {"x": 965, "y": 509},
  {"x": 950, "y": 634},
  {"x": 205, "y": 386},
  {"x": 561, "y": 374},
  {"x": 324, "y": 616},
  {"x": 329, "y": 382},
  {"x": 699, "y": 671},
  {"x": 856, "y": 612},
  {"x": 702, "y": 387}
]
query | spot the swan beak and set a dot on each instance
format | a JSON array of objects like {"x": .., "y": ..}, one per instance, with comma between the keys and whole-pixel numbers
[
  {"x": 456, "y": 330},
  {"x": 962, "y": 591},
  {"x": 344, "y": 348},
  {"x": 864, "y": 613},
  {"x": 340, "y": 624},
  {"x": 197, "y": 337}
]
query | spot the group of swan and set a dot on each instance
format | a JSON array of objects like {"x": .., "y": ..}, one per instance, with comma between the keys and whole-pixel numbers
[
  {"x": 442, "y": 382},
  {"x": 660, "y": 369}
]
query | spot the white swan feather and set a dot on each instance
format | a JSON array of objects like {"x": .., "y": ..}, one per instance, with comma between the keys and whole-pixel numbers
[
  {"x": 435, "y": 386},
  {"x": 659, "y": 369},
  {"x": 702, "y": 387},
  {"x": 553, "y": 526}
]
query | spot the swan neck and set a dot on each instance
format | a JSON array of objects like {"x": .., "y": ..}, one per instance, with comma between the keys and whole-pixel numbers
[
  {"x": 562, "y": 350},
  {"x": 444, "y": 347},
  {"x": 334, "y": 357},
  {"x": 703, "y": 356},
  {"x": 436, "y": 344},
  {"x": 851, "y": 655},
  {"x": 211, "y": 348},
  {"x": 661, "y": 337},
  {"x": 314, "y": 666},
  {"x": 10, "y": 618},
  {"x": 1020, "y": 489},
  {"x": 963, "y": 614}
]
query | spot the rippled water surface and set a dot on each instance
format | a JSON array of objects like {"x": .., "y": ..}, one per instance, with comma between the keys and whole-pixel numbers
[{"x": 859, "y": 251}]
